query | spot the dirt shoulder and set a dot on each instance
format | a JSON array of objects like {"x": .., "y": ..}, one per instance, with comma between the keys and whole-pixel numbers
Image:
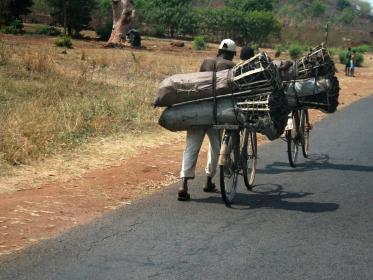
[{"x": 74, "y": 189}]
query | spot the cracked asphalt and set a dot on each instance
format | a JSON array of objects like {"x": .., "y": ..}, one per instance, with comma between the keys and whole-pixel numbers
[{"x": 312, "y": 222}]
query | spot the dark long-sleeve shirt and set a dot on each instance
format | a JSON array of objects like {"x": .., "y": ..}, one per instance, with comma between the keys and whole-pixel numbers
[{"x": 220, "y": 63}]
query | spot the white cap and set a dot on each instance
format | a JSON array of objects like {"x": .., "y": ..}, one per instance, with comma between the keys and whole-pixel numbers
[{"x": 228, "y": 45}]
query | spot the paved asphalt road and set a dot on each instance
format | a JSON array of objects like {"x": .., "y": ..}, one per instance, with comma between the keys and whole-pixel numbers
[{"x": 313, "y": 222}]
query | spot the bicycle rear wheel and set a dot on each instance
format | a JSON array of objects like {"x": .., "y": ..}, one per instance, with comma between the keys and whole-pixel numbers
[
  {"x": 292, "y": 138},
  {"x": 229, "y": 168},
  {"x": 249, "y": 157},
  {"x": 305, "y": 125}
]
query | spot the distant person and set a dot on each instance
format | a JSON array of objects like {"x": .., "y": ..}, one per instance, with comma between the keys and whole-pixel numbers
[
  {"x": 247, "y": 52},
  {"x": 353, "y": 63},
  {"x": 134, "y": 38},
  {"x": 348, "y": 62}
]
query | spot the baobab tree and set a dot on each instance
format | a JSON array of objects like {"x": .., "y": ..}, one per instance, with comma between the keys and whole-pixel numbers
[{"x": 124, "y": 18}]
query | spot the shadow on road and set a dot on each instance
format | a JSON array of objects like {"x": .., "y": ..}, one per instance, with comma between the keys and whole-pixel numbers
[
  {"x": 271, "y": 196},
  {"x": 314, "y": 162}
]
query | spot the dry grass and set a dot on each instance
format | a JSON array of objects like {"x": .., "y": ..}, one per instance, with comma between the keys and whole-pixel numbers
[
  {"x": 4, "y": 53},
  {"x": 52, "y": 102}
]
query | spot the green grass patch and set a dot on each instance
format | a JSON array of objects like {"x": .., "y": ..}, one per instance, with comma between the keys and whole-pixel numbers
[{"x": 47, "y": 30}]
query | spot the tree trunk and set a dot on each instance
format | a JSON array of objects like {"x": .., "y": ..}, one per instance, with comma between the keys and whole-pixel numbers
[
  {"x": 172, "y": 32},
  {"x": 64, "y": 17},
  {"x": 124, "y": 17},
  {"x": 69, "y": 30}
]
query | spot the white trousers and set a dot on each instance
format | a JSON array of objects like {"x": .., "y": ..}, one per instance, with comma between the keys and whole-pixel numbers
[{"x": 194, "y": 142}]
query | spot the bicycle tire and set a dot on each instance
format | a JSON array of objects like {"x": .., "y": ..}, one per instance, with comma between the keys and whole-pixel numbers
[
  {"x": 229, "y": 169},
  {"x": 305, "y": 133},
  {"x": 249, "y": 157},
  {"x": 292, "y": 140}
]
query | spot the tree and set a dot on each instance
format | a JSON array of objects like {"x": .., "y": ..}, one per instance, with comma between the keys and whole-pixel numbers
[
  {"x": 174, "y": 15},
  {"x": 241, "y": 26},
  {"x": 72, "y": 14},
  {"x": 13, "y": 9},
  {"x": 124, "y": 18},
  {"x": 259, "y": 25},
  {"x": 251, "y": 5},
  {"x": 41, "y": 6},
  {"x": 365, "y": 7},
  {"x": 347, "y": 16},
  {"x": 317, "y": 8},
  {"x": 4, "y": 12},
  {"x": 343, "y": 4},
  {"x": 103, "y": 19},
  {"x": 103, "y": 12}
]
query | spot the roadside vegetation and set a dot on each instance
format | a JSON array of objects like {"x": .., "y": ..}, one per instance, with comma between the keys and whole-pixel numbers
[
  {"x": 199, "y": 42},
  {"x": 64, "y": 42},
  {"x": 51, "y": 101},
  {"x": 54, "y": 99}
]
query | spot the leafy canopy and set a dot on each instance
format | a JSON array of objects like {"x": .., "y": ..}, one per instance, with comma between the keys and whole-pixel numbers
[
  {"x": 251, "y": 5},
  {"x": 174, "y": 15},
  {"x": 77, "y": 13},
  {"x": 13, "y": 9}
]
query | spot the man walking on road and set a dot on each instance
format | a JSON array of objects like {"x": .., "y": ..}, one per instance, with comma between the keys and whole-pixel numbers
[{"x": 226, "y": 52}]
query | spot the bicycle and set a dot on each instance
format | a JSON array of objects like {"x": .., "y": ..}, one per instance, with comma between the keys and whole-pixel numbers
[
  {"x": 297, "y": 133},
  {"x": 238, "y": 156}
]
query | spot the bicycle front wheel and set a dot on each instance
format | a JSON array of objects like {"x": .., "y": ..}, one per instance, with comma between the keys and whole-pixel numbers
[
  {"x": 229, "y": 168},
  {"x": 249, "y": 157}
]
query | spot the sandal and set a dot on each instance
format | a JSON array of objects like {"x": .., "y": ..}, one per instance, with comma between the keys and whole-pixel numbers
[
  {"x": 210, "y": 188},
  {"x": 183, "y": 196}
]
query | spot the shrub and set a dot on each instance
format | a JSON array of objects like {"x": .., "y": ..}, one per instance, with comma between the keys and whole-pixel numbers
[
  {"x": 359, "y": 59},
  {"x": 295, "y": 51},
  {"x": 255, "y": 46},
  {"x": 347, "y": 16},
  {"x": 317, "y": 8},
  {"x": 342, "y": 4},
  {"x": 47, "y": 30},
  {"x": 333, "y": 51},
  {"x": 15, "y": 27},
  {"x": 342, "y": 57},
  {"x": 199, "y": 42},
  {"x": 156, "y": 31},
  {"x": 64, "y": 41},
  {"x": 306, "y": 48},
  {"x": 363, "y": 48},
  {"x": 279, "y": 50},
  {"x": 104, "y": 31},
  {"x": 17, "y": 24}
]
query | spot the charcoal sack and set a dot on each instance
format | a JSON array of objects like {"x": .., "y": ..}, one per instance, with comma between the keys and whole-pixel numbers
[
  {"x": 187, "y": 87},
  {"x": 307, "y": 87},
  {"x": 199, "y": 114},
  {"x": 315, "y": 93}
]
